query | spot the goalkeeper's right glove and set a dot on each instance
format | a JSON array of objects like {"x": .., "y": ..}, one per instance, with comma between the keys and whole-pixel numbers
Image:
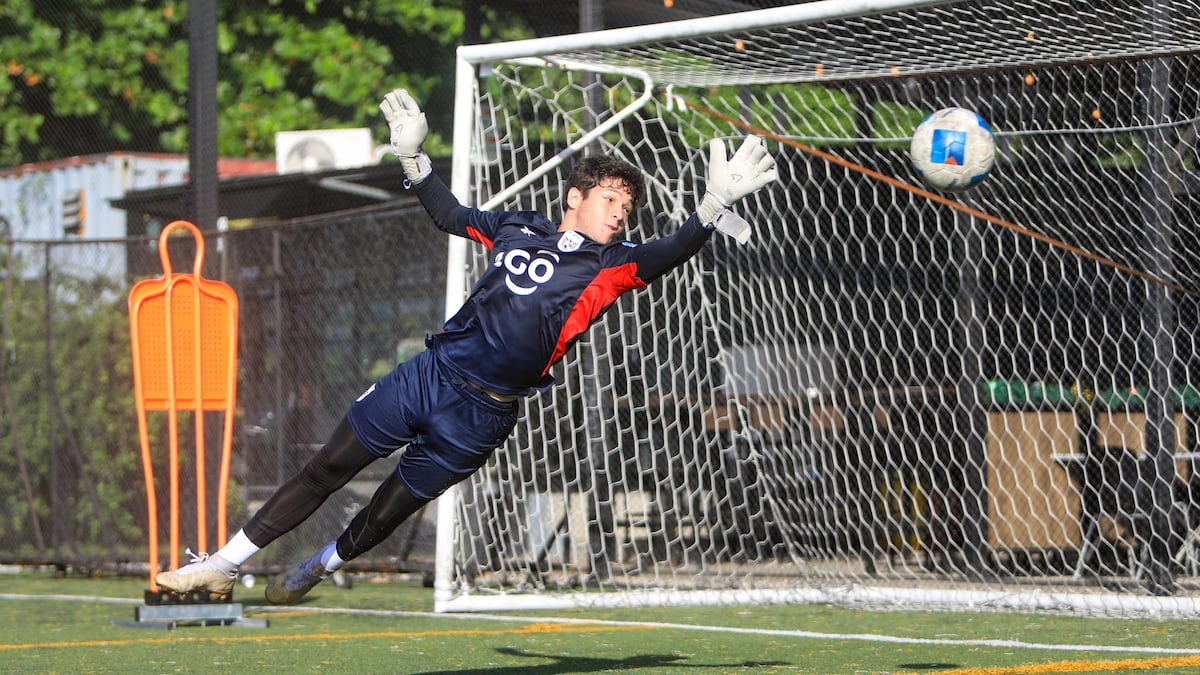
[
  {"x": 409, "y": 129},
  {"x": 750, "y": 168}
]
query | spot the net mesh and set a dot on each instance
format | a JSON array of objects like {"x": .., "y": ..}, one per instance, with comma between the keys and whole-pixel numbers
[
  {"x": 935, "y": 40},
  {"x": 886, "y": 396}
]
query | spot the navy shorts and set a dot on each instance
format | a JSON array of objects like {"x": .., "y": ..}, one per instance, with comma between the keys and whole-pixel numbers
[{"x": 450, "y": 427}]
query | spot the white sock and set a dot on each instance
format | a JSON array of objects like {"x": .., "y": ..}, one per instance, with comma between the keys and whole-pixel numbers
[
  {"x": 238, "y": 550},
  {"x": 330, "y": 559}
]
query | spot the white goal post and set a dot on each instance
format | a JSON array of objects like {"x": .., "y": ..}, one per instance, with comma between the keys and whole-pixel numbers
[{"x": 888, "y": 397}]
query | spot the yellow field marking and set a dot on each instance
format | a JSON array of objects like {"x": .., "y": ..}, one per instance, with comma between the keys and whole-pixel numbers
[
  {"x": 531, "y": 628},
  {"x": 1103, "y": 666}
]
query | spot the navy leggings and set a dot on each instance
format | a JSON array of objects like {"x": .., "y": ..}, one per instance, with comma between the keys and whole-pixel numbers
[
  {"x": 446, "y": 427},
  {"x": 334, "y": 465}
]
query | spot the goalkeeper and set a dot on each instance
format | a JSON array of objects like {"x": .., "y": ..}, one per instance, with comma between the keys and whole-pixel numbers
[{"x": 451, "y": 406}]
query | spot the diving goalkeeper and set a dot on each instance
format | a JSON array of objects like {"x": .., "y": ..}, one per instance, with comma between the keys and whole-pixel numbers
[{"x": 451, "y": 406}]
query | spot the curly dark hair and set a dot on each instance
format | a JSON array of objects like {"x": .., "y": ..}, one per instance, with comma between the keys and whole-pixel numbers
[{"x": 591, "y": 171}]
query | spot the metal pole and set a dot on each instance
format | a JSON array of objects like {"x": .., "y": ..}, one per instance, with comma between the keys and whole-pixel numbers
[
  {"x": 202, "y": 111},
  {"x": 1158, "y": 312},
  {"x": 600, "y": 541},
  {"x": 51, "y": 435},
  {"x": 971, "y": 416},
  {"x": 281, "y": 471}
]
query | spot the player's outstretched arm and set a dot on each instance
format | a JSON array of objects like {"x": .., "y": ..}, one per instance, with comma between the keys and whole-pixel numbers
[
  {"x": 409, "y": 129},
  {"x": 730, "y": 179}
]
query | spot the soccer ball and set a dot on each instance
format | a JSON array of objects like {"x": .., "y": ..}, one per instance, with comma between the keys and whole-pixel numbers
[{"x": 953, "y": 149}]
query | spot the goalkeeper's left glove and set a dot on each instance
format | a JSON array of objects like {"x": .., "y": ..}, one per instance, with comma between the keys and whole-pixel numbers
[
  {"x": 409, "y": 129},
  {"x": 750, "y": 168}
]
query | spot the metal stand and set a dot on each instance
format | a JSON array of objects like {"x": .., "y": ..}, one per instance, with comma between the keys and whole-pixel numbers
[
  {"x": 165, "y": 611},
  {"x": 183, "y": 333}
]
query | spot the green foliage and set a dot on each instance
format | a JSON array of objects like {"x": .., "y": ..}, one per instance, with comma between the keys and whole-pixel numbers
[
  {"x": 818, "y": 115},
  {"x": 536, "y": 109},
  {"x": 823, "y": 114},
  {"x": 1120, "y": 151},
  {"x": 94, "y": 76},
  {"x": 78, "y": 429},
  {"x": 895, "y": 120}
]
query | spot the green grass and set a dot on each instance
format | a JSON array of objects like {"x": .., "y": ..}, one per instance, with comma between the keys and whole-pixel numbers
[{"x": 68, "y": 628}]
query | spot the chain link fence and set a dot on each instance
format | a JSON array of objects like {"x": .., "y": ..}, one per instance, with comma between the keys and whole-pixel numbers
[{"x": 327, "y": 305}]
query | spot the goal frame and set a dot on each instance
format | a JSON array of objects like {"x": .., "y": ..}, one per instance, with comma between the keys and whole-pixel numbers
[{"x": 471, "y": 61}]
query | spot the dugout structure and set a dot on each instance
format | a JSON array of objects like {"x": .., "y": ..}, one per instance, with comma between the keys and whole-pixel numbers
[{"x": 888, "y": 397}]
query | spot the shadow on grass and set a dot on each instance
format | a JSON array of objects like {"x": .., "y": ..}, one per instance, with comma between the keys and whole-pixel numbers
[{"x": 593, "y": 664}]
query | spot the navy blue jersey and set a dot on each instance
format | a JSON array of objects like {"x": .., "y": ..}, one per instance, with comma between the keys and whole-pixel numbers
[{"x": 542, "y": 288}]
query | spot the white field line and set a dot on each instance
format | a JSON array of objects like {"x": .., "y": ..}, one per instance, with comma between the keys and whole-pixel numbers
[{"x": 469, "y": 616}]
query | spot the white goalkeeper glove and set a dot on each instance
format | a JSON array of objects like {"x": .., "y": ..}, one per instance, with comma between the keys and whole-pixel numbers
[
  {"x": 750, "y": 168},
  {"x": 409, "y": 129}
]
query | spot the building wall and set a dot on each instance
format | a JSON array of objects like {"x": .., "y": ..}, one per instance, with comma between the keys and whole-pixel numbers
[
  {"x": 32, "y": 195},
  {"x": 32, "y": 203}
]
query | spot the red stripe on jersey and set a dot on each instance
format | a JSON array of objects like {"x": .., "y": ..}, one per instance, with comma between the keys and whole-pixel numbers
[
  {"x": 478, "y": 236},
  {"x": 597, "y": 297}
]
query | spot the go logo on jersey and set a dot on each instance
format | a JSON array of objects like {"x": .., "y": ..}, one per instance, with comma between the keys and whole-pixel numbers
[{"x": 526, "y": 271}]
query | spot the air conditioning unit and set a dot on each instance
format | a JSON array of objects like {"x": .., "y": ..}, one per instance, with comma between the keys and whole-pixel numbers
[{"x": 323, "y": 149}]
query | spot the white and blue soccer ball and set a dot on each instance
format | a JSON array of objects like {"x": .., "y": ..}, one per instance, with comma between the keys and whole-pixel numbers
[{"x": 953, "y": 149}]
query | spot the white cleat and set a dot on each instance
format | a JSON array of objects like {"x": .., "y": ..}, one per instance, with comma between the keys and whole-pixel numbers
[{"x": 202, "y": 574}]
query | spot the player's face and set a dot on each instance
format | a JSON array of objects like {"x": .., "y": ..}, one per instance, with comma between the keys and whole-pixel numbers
[{"x": 603, "y": 213}]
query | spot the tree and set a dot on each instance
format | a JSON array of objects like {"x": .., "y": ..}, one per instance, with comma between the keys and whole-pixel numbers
[
  {"x": 92, "y": 76},
  {"x": 67, "y": 413}
]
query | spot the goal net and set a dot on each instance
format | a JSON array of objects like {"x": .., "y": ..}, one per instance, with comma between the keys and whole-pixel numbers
[{"x": 888, "y": 397}]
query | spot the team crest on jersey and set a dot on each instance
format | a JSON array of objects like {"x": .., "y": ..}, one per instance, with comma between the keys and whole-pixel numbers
[{"x": 570, "y": 241}]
